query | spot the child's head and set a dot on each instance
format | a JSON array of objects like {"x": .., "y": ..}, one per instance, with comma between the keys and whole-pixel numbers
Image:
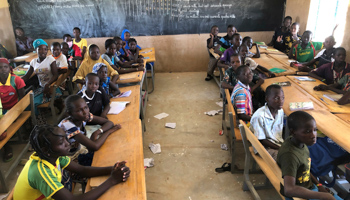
[
  {"x": 302, "y": 127},
  {"x": 235, "y": 61},
  {"x": 119, "y": 42},
  {"x": 111, "y": 46},
  {"x": 132, "y": 44},
  {"x": 243, "y": 50},
  {"x": 287, "y": 21},
  {"x": 244, "y": 74},
  {"x": 49, "y": 141},
  {"x": 307, "y": 37},
  {"x": 5, "y": 68},
  {"x": 92, "y": 82},
  {"x": 19, "y": 32},
  {"x": 339, "y": 55},
  {"x": 40, "y": 47},
  {"x": 231, "y": 30},
  {"x": 329, "y": 42},
  {"x": 56, "y": 49},
  {"x": 101, "y": 70},
  {"x": 274, "y": 96},
  {"x": 236, "y": 40},
  {"x": 94, "y": 52},
  {"x": 214, "y": 30},
  {"x": 68, "y": 39},
  {"x": 127, "y": 35},
  {"x": 76, "y": 32},
  {"x": 77, "y": 108},
  {"x": 248, "y": 41},
  {"x": 64, "y": 48},
  {"x": 294, "y": 28}
]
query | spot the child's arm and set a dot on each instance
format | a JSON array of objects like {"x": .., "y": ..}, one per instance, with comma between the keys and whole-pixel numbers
[
  {"x": 28, "y": 74},
  {"x": 221, "y": 64},
  {"x": 290, "y": 55},
  {"x": 263, "y": 69},
  {"x": 106, "y": 109},
  {"x": 257, "y": 54},
  {"x": 54, "y": 77},
  {"x": 115, "y": 90},
  {"x": 105, "y": 102},
  {"x": 345, "y": 99},
  {"x": 211, "y": 43},
  {"x": 225, "y": 85},
  {"x": 333, "y": 87},
  {"x": 314, "y": 75},
  {"x": 292, "y": 190},
  {"x": 21, "y": 93},
  {"x": 118, "y": 173},
  {"x": 217, "y": 49},
  {"x": 258, "y": 84}
]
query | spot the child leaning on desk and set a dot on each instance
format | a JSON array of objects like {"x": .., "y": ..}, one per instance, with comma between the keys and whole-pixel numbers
[
  {"x": 249, "y": 42},
  {"x": 234, "y": 49},
  {"x": 230, "y": 79},
  {"x": 294, "y": 160},
  {"x": 110, "y": 88}
]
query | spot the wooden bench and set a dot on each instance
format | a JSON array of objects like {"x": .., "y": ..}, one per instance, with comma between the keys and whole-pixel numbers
[
  {"x": 12, "y": 121},
  {"x": 266, "y": 163},
  {"x": 233, "y": 133}
]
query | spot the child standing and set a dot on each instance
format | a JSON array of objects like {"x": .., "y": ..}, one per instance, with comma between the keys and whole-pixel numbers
[
  {"x": 294, "y": 159},
  {"x": 212, "y": 42},
  {"x": 80, "y": 42},
  {"x": 225, "y": 42},
  {"x": 230, "y": 78},
  {"x": 234, "y": 49},
  {"x": 95, "y": 96},
  {"x": 41, "y": 176},
  {"x": 267, "y": 121},
  {"x": 241, "y": 96},
  {"x": 11, "y": 91},
  {"x": 110, "y": 88},
  {"x": 61, "y": 60},
  {"x": 304, "y": 50}
]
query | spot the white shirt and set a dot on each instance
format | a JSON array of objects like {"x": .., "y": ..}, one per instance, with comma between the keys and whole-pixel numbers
[
  {"x": 265, "y": 126},
  {"x": 61, "y": 62},
  {"x": 43, "y": 69}
]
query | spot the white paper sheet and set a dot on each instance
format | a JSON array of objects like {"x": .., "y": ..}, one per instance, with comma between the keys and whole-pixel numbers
[
  {"x": 220, "y": 103},
  {"x": 123, "y": 94},
  {"x": 117, "y": 107},
  {"x": 161, "y": 115},
  {"x": 155, "y": 148},
  {"x": 170, "y": 125}
]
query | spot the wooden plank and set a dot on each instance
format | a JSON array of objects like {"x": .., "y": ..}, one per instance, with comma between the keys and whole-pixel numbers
[
  {"x": 150, "y": 50},
  {"x": 269, "y": 63},
  {"x": 28, "y": 56},
  {"x": 124, "y": 144},
  {"x": 232, "y": 110},
  {"x": 345, "y": 117},
  {"x": 308, "y": 86},
  {"x": 133, "y": 77}
]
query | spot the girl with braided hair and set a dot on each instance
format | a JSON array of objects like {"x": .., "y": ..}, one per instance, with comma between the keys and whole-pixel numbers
[{"x": 42, "y": 174}]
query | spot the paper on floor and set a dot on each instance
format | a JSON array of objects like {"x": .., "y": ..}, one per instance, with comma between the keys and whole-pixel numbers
[
  {"x": 161, "y": 115},
  {"x": 220, "y": 103},
  {"x": 224, "y": 147},
  {"x": 117, "y": 107},
  {"x": 155, "y": 148},
  {"x": 212, "y": 112},
  {"x": 123, "y": 94},
  {"x": 170, "y": 125},
  {"x": 148, "y": 162}
]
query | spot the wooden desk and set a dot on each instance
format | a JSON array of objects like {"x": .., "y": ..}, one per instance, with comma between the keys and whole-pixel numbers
[
  {"x": 293, "y": 93},
  {"x": 149, "y": 58},
  {"x": 308, "y": 86},
  {"x": 132, "y": 110},
  {"x": 124, "y": 144},
  {"x": 26, "y": 57},
  {"x": 269, "y": 63},
  {"x": 145, "y": 51},
  {"x": 133, "y": 77},
  {"x": 345, "y": 117}
]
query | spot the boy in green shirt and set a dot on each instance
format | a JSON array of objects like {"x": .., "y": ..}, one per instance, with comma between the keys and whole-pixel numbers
[{"x": 304, "y": 51}]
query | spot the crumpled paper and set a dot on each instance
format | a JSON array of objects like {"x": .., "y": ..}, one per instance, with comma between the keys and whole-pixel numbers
[
  {"x": 212, "y": 112},
  {"x": 148, "y": 162},
  {"x": 155, "y": 148}
]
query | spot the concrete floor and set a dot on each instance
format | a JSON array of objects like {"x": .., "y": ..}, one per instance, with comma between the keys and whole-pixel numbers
[{"x": 190, "y": 153}]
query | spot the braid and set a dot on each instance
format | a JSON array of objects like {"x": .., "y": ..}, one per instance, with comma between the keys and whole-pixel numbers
[{"x": 39, "y": 139}]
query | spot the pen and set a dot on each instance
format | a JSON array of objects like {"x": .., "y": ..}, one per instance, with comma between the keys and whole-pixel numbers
[{"x": 324, "y": 101}]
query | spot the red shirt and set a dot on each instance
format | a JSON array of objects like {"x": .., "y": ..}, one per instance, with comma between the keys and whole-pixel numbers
[{"x": 8, "y": 94}]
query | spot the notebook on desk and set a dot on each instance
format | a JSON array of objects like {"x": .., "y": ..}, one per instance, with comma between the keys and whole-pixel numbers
[
  {"x": 294, "y": 106},
  {"x": 277, "y": 70},
  {"x": 333, "y": 97}
]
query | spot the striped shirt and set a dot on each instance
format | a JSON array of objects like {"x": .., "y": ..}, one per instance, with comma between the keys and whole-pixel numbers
[{"x": 242, "y": 99}]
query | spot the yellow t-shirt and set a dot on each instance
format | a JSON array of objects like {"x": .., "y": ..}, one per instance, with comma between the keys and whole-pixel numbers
[{"x": 81, "y": 44}]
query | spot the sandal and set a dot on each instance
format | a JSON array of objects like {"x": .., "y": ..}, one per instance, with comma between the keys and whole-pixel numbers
[
  {"x": 225, "y": 167},
  {"x": 8, "y": 154},
  {"x": 209, "y": 77}
]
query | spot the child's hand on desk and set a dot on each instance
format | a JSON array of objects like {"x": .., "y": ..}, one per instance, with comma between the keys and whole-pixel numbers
[
  {"x": 115, "y": 128},
  {"x": 271, "y": 75},
  {"x": 321, "y": 88},
  {"x": 120, "y": 172},
  {"x": 140, "y": 68},
  {"x": 104, "y": 116},
  {"x": 140, "y": 60}
]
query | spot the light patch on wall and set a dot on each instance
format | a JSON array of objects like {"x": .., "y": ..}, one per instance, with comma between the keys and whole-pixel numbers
[
  {"x": 4, "y": 4},
  {"x": 324, "y": 15}
]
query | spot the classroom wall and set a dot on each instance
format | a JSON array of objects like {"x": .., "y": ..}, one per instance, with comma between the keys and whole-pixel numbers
[
  {"x": 178, "y": 53},
  {"x": 346, "y": 39}
]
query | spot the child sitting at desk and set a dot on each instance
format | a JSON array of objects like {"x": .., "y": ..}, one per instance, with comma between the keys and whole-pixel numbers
[
  {"x": 94, "y": 95},
  {"x": 285, "y": 42},
  {"x": 41, "y": 176},
  {"x": 267, "y": 121},
  {"x": 230, "y": 78},
  {"x": 294, "y": 159},
  {"x": 61, "y": 60},
  {"x": 125, "y": 36},
  {"x": 133, "y": 51},
  {"x": 80, "y": 42},
  {"x": 111, "y": 57},
  {"x": 326, "y": 55},
  {"x": 241, "y": 96},
  {"x": 46, "y": 69},
  {"x": 330, "y": 73},
  {"x": 225, "y": 42},
  {"x": 24, "y": 44},
  {"x": 304, "y": 51},
  {"x": 70, "y": 58},
  {"x": 91, "y": 58},
  {"x": 11, "y": 91},
  {"x": 287, "y": 21},
  {"x": 212, "y": 42},
  {"x": 234, "y": 49},
  {"x": 110, "y": 88},
  {"x": 249, "y": 42},
  {"x": 73, "y": 50}
]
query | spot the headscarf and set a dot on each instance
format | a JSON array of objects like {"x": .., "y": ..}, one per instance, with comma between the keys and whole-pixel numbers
[
  {"x": 126, "y": 45},
  {"x": 123, "y": 33},
  {"x": 97, "y": 67},
  {"x": 88, "y": 64},
  {"x": 39, "y": 42}
]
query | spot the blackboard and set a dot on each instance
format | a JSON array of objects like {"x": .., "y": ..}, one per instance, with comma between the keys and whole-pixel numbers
[{"x": 106, "y": 18}]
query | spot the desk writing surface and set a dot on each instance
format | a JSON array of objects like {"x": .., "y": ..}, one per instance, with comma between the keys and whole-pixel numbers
[
  {"x": 25, "y": 57},
  {"x": 130, "y": 113},
  {"x": 308, "y": 86},
  {"x": 293, "y": 93},
  {"x": 132, "y": 77},
  {"x": 344, "y": 117},
  {"x": 135, "y": 92},
  {"x": 124, "y": 144},
  {"x": 150, "y": 50},
  {"x": 150, "y": 58},
  {"x": 270, "y": 63}
]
